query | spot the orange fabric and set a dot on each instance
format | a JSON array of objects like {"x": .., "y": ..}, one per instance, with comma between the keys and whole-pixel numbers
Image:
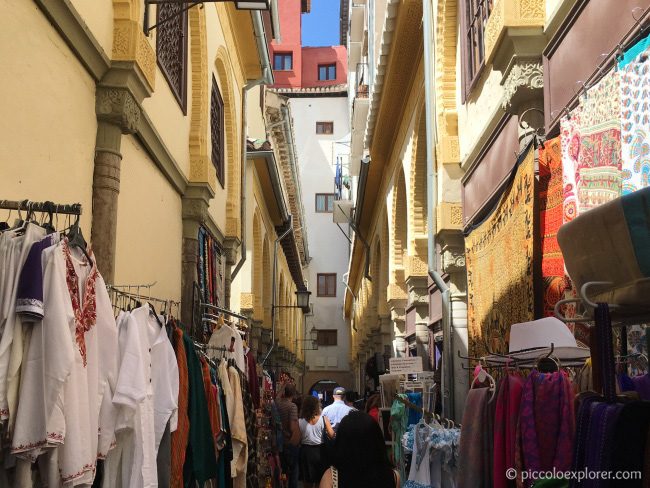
[
  {"x": 212, "y": 402},
  {"x": 181, "y": 435}
]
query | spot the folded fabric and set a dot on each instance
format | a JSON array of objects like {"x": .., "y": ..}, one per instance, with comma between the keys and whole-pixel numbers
[{"x": 610, "y": 243}]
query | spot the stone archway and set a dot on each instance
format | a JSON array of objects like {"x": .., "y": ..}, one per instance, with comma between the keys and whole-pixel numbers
[
  {"x": 418, "y": 238},
  {"x": 233, "y": 167},
  {"x": 397, "y": 296}
]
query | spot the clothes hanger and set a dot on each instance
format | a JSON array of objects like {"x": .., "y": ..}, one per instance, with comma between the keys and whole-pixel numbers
[
  {"x": 76, "y": 239},
  {"x": 482, "y": 376}
]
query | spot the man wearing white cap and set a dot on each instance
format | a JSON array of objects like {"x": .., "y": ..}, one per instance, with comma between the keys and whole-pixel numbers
[{"x": 337, "y": 410}]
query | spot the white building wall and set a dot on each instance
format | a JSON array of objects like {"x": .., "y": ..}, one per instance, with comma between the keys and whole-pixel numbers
[{"x": 328, "y": 247}]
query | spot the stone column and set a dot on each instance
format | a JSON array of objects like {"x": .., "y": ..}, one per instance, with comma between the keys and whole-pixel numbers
[
  {"x": 118, "y": 113},
  {"x": 418, "y": 293}
]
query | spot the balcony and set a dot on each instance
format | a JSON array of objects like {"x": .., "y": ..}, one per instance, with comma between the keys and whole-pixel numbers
[{"x": 362, "y": 80}]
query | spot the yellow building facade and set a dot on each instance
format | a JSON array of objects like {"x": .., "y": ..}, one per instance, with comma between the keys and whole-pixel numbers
[{"x": 149, "y": 134}]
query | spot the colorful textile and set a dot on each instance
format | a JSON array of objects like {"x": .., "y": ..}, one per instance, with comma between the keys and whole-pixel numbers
[
  {"x": 599, "y": 161},
  {"x": 505, "y": 428},
  {"x": 499, "y": 257},
  {"x": 570, "y": 145},
  {"x": 551, "y": 218},
  {"x": 546, "y": 422},
  {"x": 200, "y": 459},
  {"x": 633, "y": 52},
  {"x": 181, "y": 434},
  {"x": 416, "y": 399},
  {"x": 212, "y": 402},
  {"x": 635, "y": 121},
  {"x": 474, "y": 470}
]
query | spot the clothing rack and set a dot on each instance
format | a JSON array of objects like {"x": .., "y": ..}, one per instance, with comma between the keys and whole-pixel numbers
[
  {"x": 499, "y": 361},
  {"x": 428, "y": 415},
  {"x": 224, "y": 311},
  {"x": 621, "y": 315},
  {"x": 118, "y": 291},
  {"x": 49, "y": 207}
]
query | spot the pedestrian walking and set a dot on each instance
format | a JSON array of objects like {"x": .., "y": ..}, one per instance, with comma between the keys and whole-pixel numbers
[
  {"x": 290, "y": 434},
  {"x": 315, "y": 428},
  {"x": 338, "y": 409},
  {"x": 359, "y": 458},
  {"x": 372, "y": 406}
]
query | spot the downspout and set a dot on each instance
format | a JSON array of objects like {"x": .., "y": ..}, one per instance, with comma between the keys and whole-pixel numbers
[
  {"x": 267, "y": 78},
  {"x": 432, "y": 199},
  {"x": 274, "y": 291}
]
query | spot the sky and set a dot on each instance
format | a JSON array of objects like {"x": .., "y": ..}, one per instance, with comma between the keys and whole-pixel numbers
[{"x": 320, "y": 27}]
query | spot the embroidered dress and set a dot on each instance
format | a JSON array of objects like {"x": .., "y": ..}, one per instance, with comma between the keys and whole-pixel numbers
[
  {"x": 420, "y": 473},
  {"x": 635, "y": 117}
]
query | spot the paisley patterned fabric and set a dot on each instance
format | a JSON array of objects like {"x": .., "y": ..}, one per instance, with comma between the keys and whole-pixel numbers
[{"x": 635, "y": 122}]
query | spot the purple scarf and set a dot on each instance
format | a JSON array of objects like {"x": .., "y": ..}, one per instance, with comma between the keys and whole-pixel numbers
[
  {"x": 546, "y": 422},
  {"x": 642, "y": 386}
]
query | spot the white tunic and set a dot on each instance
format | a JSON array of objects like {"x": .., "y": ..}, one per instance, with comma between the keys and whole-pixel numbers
[
  {"x": 147, "y": 393},
  {"x": 70, "y": 367},
  {"x": 227, "y": 337}
]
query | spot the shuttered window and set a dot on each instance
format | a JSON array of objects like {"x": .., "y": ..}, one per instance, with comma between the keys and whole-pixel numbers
[
  {"x": 217, "y": 131},
  {"x": 171, "y": 48},
  {"x": 326, "y": 284}
]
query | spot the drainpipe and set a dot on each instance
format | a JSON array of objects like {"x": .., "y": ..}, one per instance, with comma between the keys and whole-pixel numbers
[
  {"x": 267, "y": 78},
  {"x": 274, "y": 291},
  {"x": 432, "y": 199}
]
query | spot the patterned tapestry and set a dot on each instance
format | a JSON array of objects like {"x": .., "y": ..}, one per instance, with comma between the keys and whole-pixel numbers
[
  {"x": 499, "y": 258},
  {"x": 551, "y": 218},
  {"x": 599, "y": 160},
  {"x": 635, "y": 121}
]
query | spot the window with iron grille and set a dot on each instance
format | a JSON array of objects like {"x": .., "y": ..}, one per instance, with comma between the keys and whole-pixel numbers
[
  {"x": 476, "y": 14},
  {"x": 326, "y": 72},
  {"x": 171, "y": 48},
  {"x": 326, "y": 284},
  {"x": 217, "y": 130},
  {"x": 327, "y": 337}
]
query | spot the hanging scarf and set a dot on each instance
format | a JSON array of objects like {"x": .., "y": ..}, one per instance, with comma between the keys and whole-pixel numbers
[
  {"x": 546, "y": 423},
  {"x": 474, "y": 453},
  {"x": 505, "y": 428}
]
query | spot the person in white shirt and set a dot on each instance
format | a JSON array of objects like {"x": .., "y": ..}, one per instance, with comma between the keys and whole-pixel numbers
[{"x": 339, "y": 409}]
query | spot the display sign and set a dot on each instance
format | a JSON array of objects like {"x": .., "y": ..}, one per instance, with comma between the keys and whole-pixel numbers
[{"x": 405, "y": 365}]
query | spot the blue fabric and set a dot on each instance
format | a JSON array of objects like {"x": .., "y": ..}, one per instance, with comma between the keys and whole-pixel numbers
[
  {"x": 636, "y": 207},
  {"x": 631, "y": 54},
  {"x": 414, "y": 415}
]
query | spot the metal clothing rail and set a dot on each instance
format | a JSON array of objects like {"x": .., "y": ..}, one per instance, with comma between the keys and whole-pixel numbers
[
  {"x": 224, "y": 311},
  {"x": 428, "y": 414},
  {"x": 49, "y": 207}
]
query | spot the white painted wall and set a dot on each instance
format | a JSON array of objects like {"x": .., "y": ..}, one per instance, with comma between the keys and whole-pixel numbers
[{"x": 328, "y": 247}]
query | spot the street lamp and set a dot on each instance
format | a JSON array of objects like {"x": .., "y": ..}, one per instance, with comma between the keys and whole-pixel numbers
[
  {"x": 313, "y": 338},
  {"x": 302, "y": 298}
]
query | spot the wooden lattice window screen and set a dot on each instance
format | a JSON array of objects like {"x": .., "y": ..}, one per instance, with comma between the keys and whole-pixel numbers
[
  {"x": 217, "y": 130},
  {"x": 171, "y": 48}
]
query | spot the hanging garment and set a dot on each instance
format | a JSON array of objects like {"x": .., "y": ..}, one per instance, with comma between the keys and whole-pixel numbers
[
  {"x": 238, "y": 432},
  {"x": 570, "y": 145},
  {"x": 10, "y": 325},
  {"x": 398, "y": 424},
  {"x": 29, "y": 308},
  {"x": 71, "y": 364},
  {"x": 420, "y": 473},
  {"x": 505, "y": 428},
  {"x": 253, "y": 380},
  {"x": 200, "y": 459},
  {"x": 414, "y": 415},
  {"x": 251, "y": 435},
  {"x": 181, "y": 434},
  {"x": 229, "y": 338},
  {"x": 551, "y": 212},
  {"x": 150, "y": 400},
  {"x": 211, "y": 401},
  {"x": 546, "y": 422},
  {"x": 599, "y": 161},
  {"x": 635, "y": 117},
  {"x": 475, "y": 465},
  {"x": 630, "y": 442}
]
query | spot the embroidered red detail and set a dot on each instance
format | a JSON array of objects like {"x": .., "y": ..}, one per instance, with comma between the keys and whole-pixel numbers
[
  {"x": 52, "y": 437},
  {"x": 84, "y": 469},
  {"x": 84, "y": 318}
]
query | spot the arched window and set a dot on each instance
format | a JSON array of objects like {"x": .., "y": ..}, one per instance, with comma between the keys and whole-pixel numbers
[{"x": 217, "y": 131}]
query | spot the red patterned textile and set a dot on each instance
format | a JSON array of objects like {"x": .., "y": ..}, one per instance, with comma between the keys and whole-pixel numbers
[{"x": 551, "y": 198}]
